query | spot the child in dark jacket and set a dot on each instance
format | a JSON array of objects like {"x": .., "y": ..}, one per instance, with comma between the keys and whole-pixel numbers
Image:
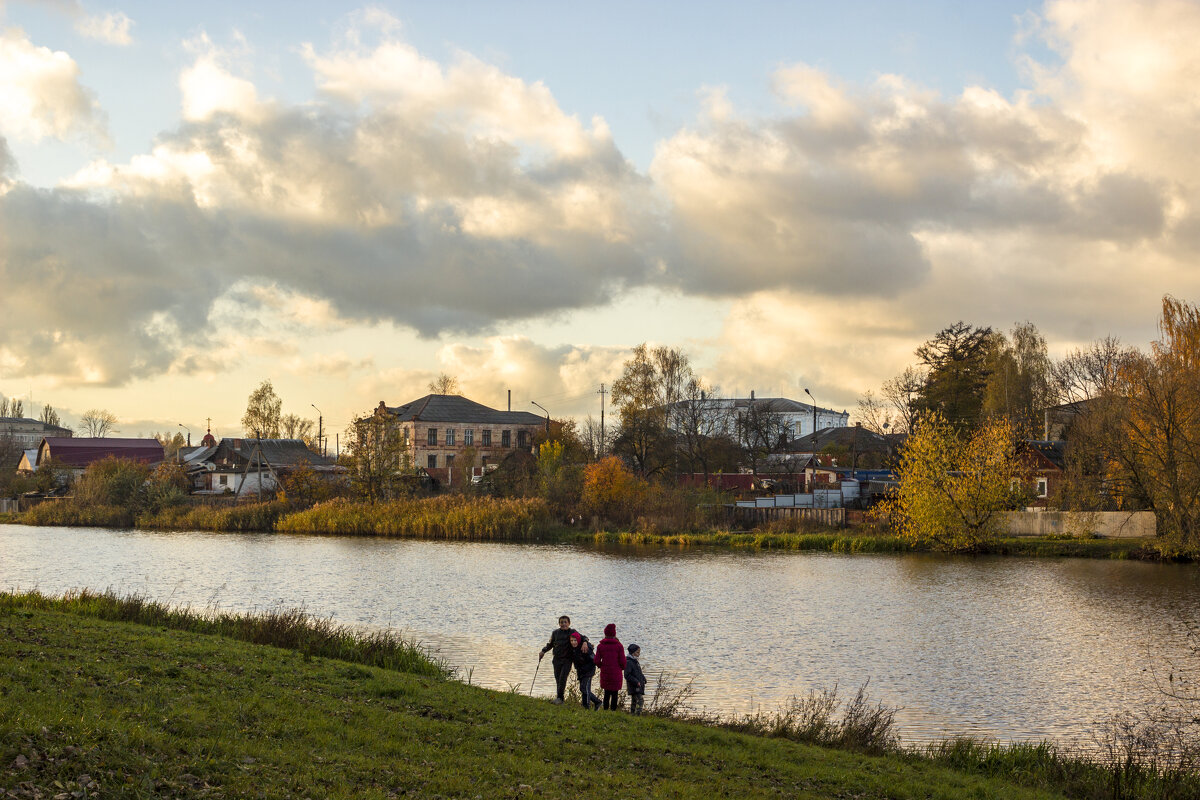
[
  {"x": 610, "y": 659},
  {"x": 585, "y": 669},
  {"x": 635, "y": 680}
]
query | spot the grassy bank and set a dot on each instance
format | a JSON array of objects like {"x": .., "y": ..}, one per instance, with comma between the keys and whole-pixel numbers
[
  {"x": 105, "y": 708},
  {"x": 442, "y": 517}
]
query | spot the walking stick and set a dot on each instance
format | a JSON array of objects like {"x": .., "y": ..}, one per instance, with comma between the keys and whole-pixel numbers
[{"x": 535, "y": 672}]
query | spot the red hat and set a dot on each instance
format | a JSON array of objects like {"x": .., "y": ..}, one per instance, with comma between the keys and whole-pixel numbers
[
  {"x": 577, "y": 635},
  {"x": 610, "y": 629}
]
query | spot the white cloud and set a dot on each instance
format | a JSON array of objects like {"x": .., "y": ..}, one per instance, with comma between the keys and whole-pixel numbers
[
  {"x": 40, "y": 93},
  {"x": 208, "y": 87},
  {"x": 111, "y": 28}
]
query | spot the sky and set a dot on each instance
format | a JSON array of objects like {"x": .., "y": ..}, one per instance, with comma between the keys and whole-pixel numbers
[{"x": 349, "y": 200}]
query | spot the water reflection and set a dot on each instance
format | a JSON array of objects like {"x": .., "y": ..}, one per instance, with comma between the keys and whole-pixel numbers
[{"x": 1014, "y": 648}]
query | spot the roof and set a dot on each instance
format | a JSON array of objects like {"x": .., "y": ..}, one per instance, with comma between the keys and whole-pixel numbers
[
  {"x": 79, "y": 452},
  {"x": 455, "y": 408},
  {"x": 66, "y": 432},
  {"x": 854, "y": 437},
  {"x": 276, "y": 452},
  {"x": 1053, "y": 451},
  {"x": 779, "y": 405}
]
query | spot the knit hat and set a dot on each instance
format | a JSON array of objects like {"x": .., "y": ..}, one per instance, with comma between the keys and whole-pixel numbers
[
  {"x": 633, "y": 648},
  {"x": 610, "y": 629},
  {"x": 577, "y": 635}
]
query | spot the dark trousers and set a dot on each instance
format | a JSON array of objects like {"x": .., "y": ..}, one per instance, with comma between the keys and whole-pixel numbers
[
  {"x": 610, "y": 697},
  {"x": 636, "y": 701},
  {"x": 585, "y": 689},
  {"x": 562, "y": 671}
]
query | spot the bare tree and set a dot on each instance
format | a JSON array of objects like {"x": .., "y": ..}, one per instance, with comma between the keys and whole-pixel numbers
[
  {"x": 444, "y": 384},
  {"x": 902, "y": 393},
  {"x": 98, "y": 423},
  {"x": 4, "y": 406},
  {"x": 761, "y": 430},
  {"x": 294, "y": 426},
  {"x": 594, "y": 439},
  {"x": 702, "y": 422},
  {"x": 1090, "y": 373},
  {"x": 49, "y": 416},
  {"x": 16, "y": 407},
  {"x": 875, "y": 414}
]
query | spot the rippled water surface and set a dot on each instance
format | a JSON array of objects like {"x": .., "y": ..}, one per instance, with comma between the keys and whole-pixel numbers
[{"x": 1005, "y": 647}]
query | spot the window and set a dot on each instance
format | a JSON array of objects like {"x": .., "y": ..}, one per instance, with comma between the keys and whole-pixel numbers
[
  {"x": 487, "y": 437},
  {"x": 522, "y": 438},
  {"x": 431, "y": 437},
  {"x": 449, "y": 437},
  {"x": 1042, "y": 487},
  {"x": 404, "y": 437},
  {"x": 431, "y": 462},
  {"x": 223, "y": 480},
  {"x": 450, "y": 461},
  {"x": 506, "y": 438},
  {"x": 469, "y": 437}
]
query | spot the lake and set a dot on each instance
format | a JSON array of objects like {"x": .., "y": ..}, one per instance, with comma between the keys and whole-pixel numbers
[{"x": 1009, "y": 648}]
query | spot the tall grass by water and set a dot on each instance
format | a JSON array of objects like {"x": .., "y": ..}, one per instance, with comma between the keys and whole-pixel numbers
[
  {"x": 70, "y": 515},
  {"x": 241, "y": 517},
  {"x": 442, "y": 517},
  {"x": 291, "y": 629}
]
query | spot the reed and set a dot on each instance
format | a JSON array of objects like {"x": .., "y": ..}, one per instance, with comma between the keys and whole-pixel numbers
[
  {"x": 442, "y": 517},
  {"x": 69, "y": 514},
  {"x": 245, "y": 517},
  {"x": 287, "y": 629}
]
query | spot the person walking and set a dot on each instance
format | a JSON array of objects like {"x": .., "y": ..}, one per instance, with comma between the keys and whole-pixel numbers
[
  {"x": 610, "y": 660},
  {"x": 585, "y": 669},
  {"x": 560, "y": 643}
]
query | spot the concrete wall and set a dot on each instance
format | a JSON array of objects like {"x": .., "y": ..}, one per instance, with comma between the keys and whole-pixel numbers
[{"x": 1108, "y": 524}]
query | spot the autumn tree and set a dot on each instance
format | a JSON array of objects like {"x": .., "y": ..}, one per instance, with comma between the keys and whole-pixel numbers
[
  {"x": 293, "y": 426},
  {"x": 444, "y": 384},
  {"x": 647, "y": 395},
  {"x": 1160, "y": 447},
  {"x": 378, "y": 457},
  {"x": 1019, "y": 383},
  {"x": 263, "y": 413},
  {"x": 611, "y": 491},
  {"x": 98, "y": 423},
  {"x": 954, "y": 485}
]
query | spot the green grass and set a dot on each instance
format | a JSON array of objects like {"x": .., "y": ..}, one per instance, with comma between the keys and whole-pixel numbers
[{"x": 130, "y": 710}]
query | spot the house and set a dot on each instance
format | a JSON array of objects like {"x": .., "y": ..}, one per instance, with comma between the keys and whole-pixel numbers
[
  {"x": 861, "y": 446},
  {"x": 453, "y": 438},
  {"x": 1045, "y": 463},
  {"x": 28, "y": 433},
  {"x": 76, "y": 454},
  {"x": 791, "y": 418},
  {"x": 248, "y": 467},
  {"x": 28, "y": 462},
  {"x": 1058, "y": 420}
]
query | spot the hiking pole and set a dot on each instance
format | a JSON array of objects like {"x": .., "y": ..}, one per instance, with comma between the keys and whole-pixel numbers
[{"x": 535, "y": 672}]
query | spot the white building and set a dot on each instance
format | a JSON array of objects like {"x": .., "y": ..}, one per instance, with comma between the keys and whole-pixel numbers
[{"x": 794, "y": 417}]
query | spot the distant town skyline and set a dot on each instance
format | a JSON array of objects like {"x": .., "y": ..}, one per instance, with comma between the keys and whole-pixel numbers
[{"x": 351, "y": 199}]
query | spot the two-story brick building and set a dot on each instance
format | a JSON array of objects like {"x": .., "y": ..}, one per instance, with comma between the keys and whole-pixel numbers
[{"x": 453, "y": 437}]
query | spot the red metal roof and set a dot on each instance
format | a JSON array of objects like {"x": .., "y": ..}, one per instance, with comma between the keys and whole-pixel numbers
[{"x": 74, "y": 452}]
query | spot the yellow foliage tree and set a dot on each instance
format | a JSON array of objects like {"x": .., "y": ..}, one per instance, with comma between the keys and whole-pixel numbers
[
  {"x": 955, "y": 486},
  {"x": 611, "y": 490}
]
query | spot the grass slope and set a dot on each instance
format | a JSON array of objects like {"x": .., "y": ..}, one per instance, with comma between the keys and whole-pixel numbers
[{"x": 97, "y": 708}]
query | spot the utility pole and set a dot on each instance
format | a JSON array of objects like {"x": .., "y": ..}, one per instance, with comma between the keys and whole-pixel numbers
[
  {"x": 320, "y": 420},
  {"x": 602, "y": 392}
]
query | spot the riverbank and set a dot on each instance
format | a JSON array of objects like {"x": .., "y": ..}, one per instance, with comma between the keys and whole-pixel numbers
[
  {"x": 455, "y": 517},
  {"x": 120, "y": 709}
]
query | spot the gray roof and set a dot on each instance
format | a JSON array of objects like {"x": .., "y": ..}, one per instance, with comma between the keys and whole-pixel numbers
[
  {"x": 853, "y": 437},
  {"x": 781, "y": 405},
  {"x": 453, "y": 408},
  {"x": 52, "y": 430},
  {"x": 276, "y": 452}
]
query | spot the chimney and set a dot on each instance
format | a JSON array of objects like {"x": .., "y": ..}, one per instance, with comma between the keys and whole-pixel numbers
[
  {"x": 510, "y": 399},
  {"x": 751, "y": 394}
]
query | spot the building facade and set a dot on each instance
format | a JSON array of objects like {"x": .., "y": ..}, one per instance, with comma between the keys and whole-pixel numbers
[
  {"x": 28, "y": 433},
  {"x": 454, "y": 438}
]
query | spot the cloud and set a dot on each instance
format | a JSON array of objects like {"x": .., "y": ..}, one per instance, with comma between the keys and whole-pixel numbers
[
  {"x": 40, "y": 93},
  {"x": 208, "y": 87},
  {"x": 111, "y": 28}
]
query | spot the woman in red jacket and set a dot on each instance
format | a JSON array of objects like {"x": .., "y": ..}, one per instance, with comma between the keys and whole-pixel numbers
[{"x": 610, "y": 660}]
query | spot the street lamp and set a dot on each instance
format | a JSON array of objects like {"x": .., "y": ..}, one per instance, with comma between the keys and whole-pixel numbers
[
  {"x": 320, "y": 430},
  {"x": 814, "y": 405},
  {"x": 539, "y": 405},
  {"x": 189, "y": 433}
]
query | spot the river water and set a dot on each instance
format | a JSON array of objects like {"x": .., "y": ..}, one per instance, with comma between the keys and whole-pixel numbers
[{"x": 1009, "y": 648}]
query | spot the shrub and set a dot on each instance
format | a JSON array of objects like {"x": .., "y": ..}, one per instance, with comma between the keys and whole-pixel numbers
[
  {"x": 111, "y": 482},
  {"x": 612, "y": 491}
]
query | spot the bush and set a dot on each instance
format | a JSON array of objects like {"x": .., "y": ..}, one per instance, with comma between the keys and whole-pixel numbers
[{"x": 111, "y": 482}]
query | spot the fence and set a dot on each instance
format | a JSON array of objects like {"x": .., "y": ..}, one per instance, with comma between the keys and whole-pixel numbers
[
  {"x": 8, "y": 504},
  {"x": 830, "y": 517},
  {"x": 1106, "y": 524}
]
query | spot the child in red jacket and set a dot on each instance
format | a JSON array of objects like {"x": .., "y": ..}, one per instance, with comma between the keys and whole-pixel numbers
[{"x": 610, "y": 660}]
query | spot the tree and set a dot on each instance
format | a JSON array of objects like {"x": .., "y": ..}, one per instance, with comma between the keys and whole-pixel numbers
[
  {"x": 293, "y": 426},
  {"x": 1019, "y": 383},
  {"x": 703, "y": 424},
  {"x": 49, "y": 416},
  {"x": 955, "y": 485},
  {"x": 1160, "y": 445},
  {"x": 957, "y": 360},
  {"x": 98, "y": 423},
  {"x": 761, "y": 430},
  {"x": 378, "y": 457},
  {"x": 1087, "y": 374},
  {"x": 903, "y": 393},
  {"x": 262, "y": 416},
  {"x": 16, "y": 407},
  {"x": 648, "y": 393},
  {"x": 874, "y": 413},
  {"x": 611, "y": 491},
  {"x": 444, "y": 384},
  {"x": 171, "y": 442},
  {"x": 594, "y": 439}
]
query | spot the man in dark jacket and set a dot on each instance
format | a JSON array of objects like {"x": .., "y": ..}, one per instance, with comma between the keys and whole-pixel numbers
[{"x": 560, "y": 643}]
